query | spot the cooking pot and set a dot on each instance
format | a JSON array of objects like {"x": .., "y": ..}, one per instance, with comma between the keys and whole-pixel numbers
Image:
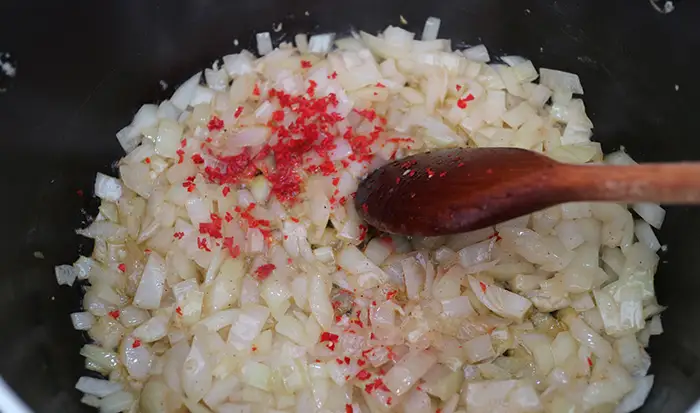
[{"x": 84, "y": 67}]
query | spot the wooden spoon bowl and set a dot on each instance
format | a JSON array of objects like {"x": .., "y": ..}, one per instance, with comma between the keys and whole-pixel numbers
[{"x": 456, "y": 190}]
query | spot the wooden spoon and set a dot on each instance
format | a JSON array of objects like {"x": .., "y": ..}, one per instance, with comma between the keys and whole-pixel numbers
[{"x": 456, "y": 190}]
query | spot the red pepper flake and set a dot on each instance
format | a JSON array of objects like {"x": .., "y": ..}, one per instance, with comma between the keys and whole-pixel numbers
[
  {"x": 202, "y": 244},
  {"x": 80, "y": 192},
  {"x": 334, "y": 75},
  {"x": 419, "y": 388},
  {"x": 181, "y": 155},
  {"x": 147, "y": 160},
  {"x": 438, "y": 411},
  {"x": 462, "y": 103},
  {"x": 339, "y": 361},
  {"x": 318, "y": 361},
  {"x": 483, "y": 287},
  {"x": 461, "y": 164},
  {"x": 294, "y": 219},
  {"x": 346, "y": 359},
  {"x": 590, "y": 362},
  {"x": 137, "y": 344},
  {"x": 147, "y": 251},
  {"x": 197, "y": 159},
  {"x": 215, "y": 123},
  {"x": 264, "y": 271},
  {"x": 254, "y": 348},
  {"x": 178, "y": 310},
  {"x": 365, "y": 208},
  {"x": 238, "y": 112},
  {"x": 377, "y": 384},
  {"x": 348, "y": 408},
  {"x": 361, "y": 362},
  {"x": 225, "y": 191},
  {"x": 278, "y": 116},
  {"x": 228, "y": 217},
  {"x": 430, "y": 172},
  {"x": 363, "y": 232},
  {"x": 496, "y": 235},
  {"x": 335, "y": 181},
  {"x": 458, "y": 87},
  {"x": 380, "y": 85},
  {"x": 256, "y": 90},
  {"x": 114, "y": 314},
  {"x": 330, "y": 338},
  {"x": 234, "y": 251},
  {"x": 311, "y": 90},
  {"x": 122, "y": 267},
  {"x": 305, "y": 64},
  {"x": 388, "y": 401},
  {"x": 391, "y": 294},
  {"x": 363, "y": 375}
]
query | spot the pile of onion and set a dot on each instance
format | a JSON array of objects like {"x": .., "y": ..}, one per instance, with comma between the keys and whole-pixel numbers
[{"x": 231, "y": 272}]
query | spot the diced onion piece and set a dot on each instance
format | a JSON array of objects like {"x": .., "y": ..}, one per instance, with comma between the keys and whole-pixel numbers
[
  {"x": 321, "y": 43},
  {"x": 97, "y": 387},
  {"x": 560, "y": 81},
  {"x": 82, "y": 320},
  {"x": 653, "y": 214},
  {"x": 183, "y": 95},
  {"x": 264, "y": 43},
  {"x": 150, "y": 289},
  {"x": 408, "y": 371},
  {"x": 431, "y": 29},
  {"x": 499, "y": 300},
  {"x": 107, "y": 187}
]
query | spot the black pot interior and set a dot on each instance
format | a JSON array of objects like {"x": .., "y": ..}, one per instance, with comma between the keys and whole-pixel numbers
[{"x": 83, "y": 68}]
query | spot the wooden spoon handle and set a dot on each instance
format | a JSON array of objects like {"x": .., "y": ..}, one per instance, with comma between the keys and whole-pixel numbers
[{"x": 672, "y": 183}]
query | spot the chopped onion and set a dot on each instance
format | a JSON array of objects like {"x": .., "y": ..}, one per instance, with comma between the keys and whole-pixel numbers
[
  {"x": 264, "y": 43},
  {"x": 82, "y": 320},
  {"x": 231, "y": 271},
  {"x": 431, "y": 29}
]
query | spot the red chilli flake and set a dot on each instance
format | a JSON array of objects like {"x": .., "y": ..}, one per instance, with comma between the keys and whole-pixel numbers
[
  {"x": 458, "y": 87},
  {"x": 390, "y": 294},
  {"x": 114, "y": 314},
  {"x": 147, "y": 160},
  {"x": 305, "y": 64},
  {"x": 181, "y": 155},
  {"x": 215, "y": 124},
  {"x": 483, "y": 287},
  {"x": 202, "y": 244},
  {"x": 329, "y": 338},
  {"x": 225, "y": 191},
  {"x": 178, "y": 235},
  {"x": 256, "y": 90},
  {"x": 380, "y": 85},
  {"x": 590, "y": 362},
  {"x": 339, "y": 361},
  {"x": 378, "y": 384},
  {"x": 294, "y": 219},
  {"x": 430, "y": 172},
  {"x": 137, "y": 344},
  {"x": 264, "y": 271},
  {"x": 234, "y": 251},
  {"x": 388, "y": 401},
  {"x": 363, "y": 375},
  {"x": 361, "y": 362},
  {"x": 348, "y": 408},
  {"x": 178, "y": 310},
  {"x": 197, "y": 159},
  {"x": 122, "y": 267},
  {"x": 238, "y": 112},
  {"x": 346, "y": 359},
  {"x": 462, "y": 103}
]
